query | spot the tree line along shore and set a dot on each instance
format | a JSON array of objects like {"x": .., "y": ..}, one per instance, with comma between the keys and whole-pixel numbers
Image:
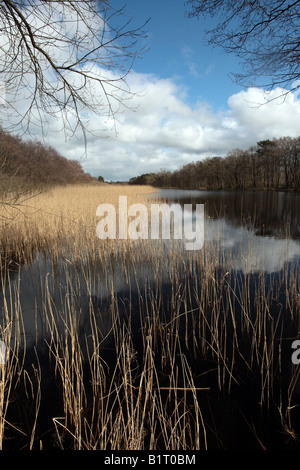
[{"x": 270, "y": 164}]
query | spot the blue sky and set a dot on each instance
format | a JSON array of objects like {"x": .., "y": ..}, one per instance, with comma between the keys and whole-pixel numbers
[
  {"x": 184, "y": 107},
  {"x": 190, "y": 108},
  {"x": 177, "y": 49}
]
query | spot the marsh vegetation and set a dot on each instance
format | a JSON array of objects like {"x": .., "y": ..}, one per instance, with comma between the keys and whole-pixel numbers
[{"x": 132, "y": 345}]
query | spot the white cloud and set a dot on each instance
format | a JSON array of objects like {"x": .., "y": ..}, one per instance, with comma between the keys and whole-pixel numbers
[
  {"x": 160, "y": 130},
  {"x": 272, "y": 114}
]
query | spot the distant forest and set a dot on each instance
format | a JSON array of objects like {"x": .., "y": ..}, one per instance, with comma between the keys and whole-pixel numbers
[
  {"x": 270, "y": 164},
  {"x": 35, "y": 165}
]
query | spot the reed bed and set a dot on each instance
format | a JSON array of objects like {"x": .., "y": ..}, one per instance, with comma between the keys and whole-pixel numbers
[{"x": 133, "y": 345}]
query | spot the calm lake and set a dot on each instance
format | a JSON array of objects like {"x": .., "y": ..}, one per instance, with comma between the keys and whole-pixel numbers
[
  {"x": 269, "y": 221},
  {"x": 251, "y": 235},
  {"x": 249, "y": 232}
]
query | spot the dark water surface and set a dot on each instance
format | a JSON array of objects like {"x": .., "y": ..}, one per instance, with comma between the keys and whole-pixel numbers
[
  {"x": 257, "y": 232},
  {"x": 270, "y": 221}
]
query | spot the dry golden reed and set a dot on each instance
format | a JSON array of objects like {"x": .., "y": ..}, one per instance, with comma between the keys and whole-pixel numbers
[
  {"x": 61, "y": 219},
  {"x": 157, "y": 368}
]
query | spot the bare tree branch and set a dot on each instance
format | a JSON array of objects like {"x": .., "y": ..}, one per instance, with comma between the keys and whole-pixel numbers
[
  {"x": 265, "y": 34},
  {"x": 65, "y": 59}
]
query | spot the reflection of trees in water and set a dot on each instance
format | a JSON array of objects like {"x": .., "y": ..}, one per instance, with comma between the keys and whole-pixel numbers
[{"x": 269, "y": 213}]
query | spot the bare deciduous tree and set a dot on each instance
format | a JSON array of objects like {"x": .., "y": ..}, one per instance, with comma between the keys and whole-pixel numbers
[
  {"x": 270, "y": 164},
  {"x": 265, "y": 34},
  {"x": 65, "y": 59}
]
